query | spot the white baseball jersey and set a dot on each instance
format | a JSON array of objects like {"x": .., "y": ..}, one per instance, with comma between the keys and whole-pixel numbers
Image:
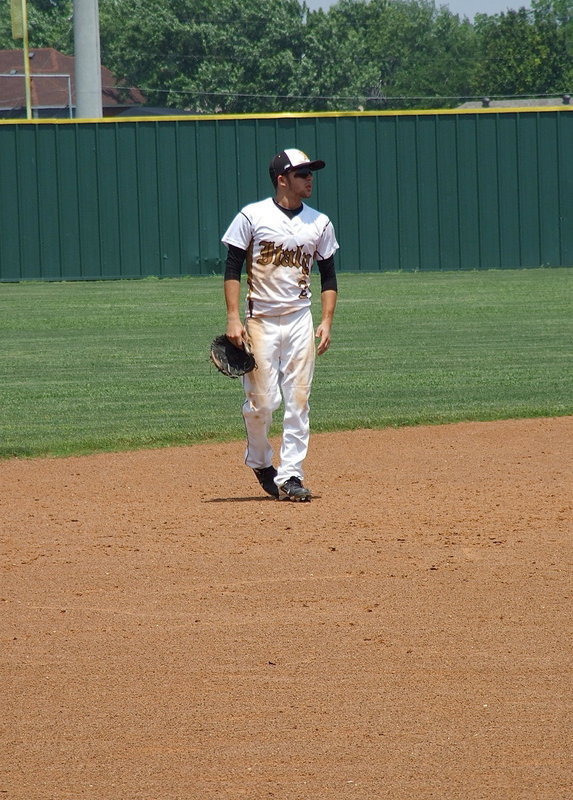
[{"x": 280, "y": 254}]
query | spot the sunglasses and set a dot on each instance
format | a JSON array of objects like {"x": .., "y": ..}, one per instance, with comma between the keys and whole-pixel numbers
[{"x": 302, "y": 173}]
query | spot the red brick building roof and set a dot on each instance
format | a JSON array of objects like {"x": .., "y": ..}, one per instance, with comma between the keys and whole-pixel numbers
[{"x": 53, "y": 92}]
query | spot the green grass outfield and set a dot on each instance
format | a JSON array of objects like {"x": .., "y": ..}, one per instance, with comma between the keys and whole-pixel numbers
[{"x": 117, "y": 365}]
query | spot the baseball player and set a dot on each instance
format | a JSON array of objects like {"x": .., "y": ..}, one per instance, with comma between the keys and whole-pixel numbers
[{"x": 280, "y": 238}]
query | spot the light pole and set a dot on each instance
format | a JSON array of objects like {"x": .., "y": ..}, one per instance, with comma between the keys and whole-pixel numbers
[{"x": 87, "y": 59}]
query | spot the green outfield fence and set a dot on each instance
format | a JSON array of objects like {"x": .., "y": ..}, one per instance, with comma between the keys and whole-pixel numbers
[{"x": 439, "y": 190}]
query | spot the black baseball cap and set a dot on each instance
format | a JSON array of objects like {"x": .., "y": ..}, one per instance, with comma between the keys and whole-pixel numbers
[{"x": 289, "y": 159}]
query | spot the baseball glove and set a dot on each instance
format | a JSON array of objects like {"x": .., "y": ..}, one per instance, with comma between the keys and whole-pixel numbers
[{"x": 230, "y": 360}]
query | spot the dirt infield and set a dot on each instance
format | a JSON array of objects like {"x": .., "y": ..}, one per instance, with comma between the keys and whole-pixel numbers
[{"x": 170, "y": 633}]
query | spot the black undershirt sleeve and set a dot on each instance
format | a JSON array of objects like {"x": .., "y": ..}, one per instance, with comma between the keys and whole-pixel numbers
[
  {"x": 234, "y": 263},
  {"x": 327, "y": 274}
]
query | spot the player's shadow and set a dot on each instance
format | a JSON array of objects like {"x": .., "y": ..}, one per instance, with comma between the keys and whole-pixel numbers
[{"x": 253, "y": 499}]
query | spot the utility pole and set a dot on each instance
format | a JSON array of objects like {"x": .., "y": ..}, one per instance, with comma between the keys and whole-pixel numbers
[{"x": 87, "y": 59}]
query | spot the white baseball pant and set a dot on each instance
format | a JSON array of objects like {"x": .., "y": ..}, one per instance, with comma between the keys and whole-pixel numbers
[{"x": 284, "y": 350}]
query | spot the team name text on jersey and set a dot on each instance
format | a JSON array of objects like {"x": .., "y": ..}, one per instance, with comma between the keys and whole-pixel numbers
[{"x": 280, "y": 257}]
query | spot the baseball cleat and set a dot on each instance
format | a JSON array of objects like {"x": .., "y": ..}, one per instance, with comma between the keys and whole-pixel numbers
[
  {"x": 294, "y": 490},
  {"x": 265, "y": 477}
]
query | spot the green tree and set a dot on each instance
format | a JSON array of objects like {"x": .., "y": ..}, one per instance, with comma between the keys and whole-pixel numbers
[
  {"x": 277, "y": 55},
  {"x": 206, "y": 56},
  {"x": 424, "y": 52},
  {"x": 389, "y": 49},
  {"x": 50, "y": 24},
  {"x": 521, "y": 52},
  {"x": 559, "y": 13},
  {"x": 337, "y": 72}
]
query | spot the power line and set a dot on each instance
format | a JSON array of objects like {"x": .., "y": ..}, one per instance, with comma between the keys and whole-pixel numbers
[{"x": 362, "y": 98}]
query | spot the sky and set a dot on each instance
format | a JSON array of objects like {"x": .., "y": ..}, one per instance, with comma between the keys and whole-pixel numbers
[{"x": 465, "y": 8}]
